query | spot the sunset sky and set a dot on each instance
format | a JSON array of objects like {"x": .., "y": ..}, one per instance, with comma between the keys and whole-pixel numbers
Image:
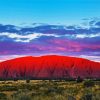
[{"x": 42, "y": 27}]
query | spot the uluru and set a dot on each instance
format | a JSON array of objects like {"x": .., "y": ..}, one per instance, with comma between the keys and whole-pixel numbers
[{"x": 49, "y": 67}]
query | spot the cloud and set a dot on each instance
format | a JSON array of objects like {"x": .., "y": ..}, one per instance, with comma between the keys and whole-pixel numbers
[
  {"x": 93, "y": 58},
  {"x": 7, "y": 57},
  {"x": 51, "y": 39},
  {"x": 25, "y": 38},
  {"x": 87, "y": 35}
]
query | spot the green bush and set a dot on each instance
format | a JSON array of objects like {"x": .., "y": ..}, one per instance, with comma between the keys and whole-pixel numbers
[
  {"x": 8, "y": 88},
  {"x": 26, "y": 86},
  {"x": 87, "y": 97},
  {"x": 24, "y": 97},
  {"x": 21, "y": 96},
  {"x": 3, "y": 96},
  {"x": 27, "y": 81},
  {"x": 88, "y": 83},
  {"x": 70, "y": 97},
  {"x": 79, "y": 79},
  {"x": 15, "y": 79}
]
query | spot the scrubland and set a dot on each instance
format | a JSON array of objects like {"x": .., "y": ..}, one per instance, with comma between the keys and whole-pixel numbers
[{"x": 49, "y": 90}]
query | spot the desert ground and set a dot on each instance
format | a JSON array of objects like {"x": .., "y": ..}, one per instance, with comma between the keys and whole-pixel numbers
[{"x": 49, "y": 90}]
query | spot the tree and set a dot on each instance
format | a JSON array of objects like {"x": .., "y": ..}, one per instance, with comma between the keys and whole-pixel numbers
[{"x": 79, "y": 79}]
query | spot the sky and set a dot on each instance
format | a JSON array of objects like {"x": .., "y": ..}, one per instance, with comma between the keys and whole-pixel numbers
[
  {"x": 41, "y": 27},
  {"x": 47, "y": 11}
]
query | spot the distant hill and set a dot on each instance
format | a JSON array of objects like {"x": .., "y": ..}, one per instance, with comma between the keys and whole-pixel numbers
[{"x": 49, "y": 67}]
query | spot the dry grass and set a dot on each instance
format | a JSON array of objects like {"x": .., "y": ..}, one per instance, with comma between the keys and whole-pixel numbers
[{"x": 47, "y": 90}]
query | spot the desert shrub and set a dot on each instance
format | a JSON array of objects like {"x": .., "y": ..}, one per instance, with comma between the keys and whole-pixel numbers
[
  {"x": 8, "y": 88},
  {"x": 69, "y": 79},
  {"x": 15, "y": 79},
  {"x": 96, "y": 96},
  {"x": 21, "y": 96},
  {"x": 71, "y": 90},
  {"x": 3, "y": 96},
  {"x": 58, "y": 97},
  {"x": 48, "y": 92},
  {"x": 14, "y": 95},
  {"x": 88, "y": 83},
  {"x": 34, "y": 94},
  {"x": 60, "y": 90},
  {"x": 26, "y": 86},
  {"x": 54, "y": 90},
  {"x": 79, "y": 79},
  {"x": 27, "y": 81},
  {"x": 2, "y": 79},
  {"x": 24, "y": 97},
  {"x": 70, "y": 97},
  {"x": 87, "y": 97}
]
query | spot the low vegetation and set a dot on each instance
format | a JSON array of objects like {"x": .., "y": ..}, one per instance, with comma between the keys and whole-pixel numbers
[{"x": 49, "y": 90}]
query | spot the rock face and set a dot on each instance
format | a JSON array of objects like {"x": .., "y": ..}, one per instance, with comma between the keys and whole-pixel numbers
[{"x": 49, "y": 67}]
